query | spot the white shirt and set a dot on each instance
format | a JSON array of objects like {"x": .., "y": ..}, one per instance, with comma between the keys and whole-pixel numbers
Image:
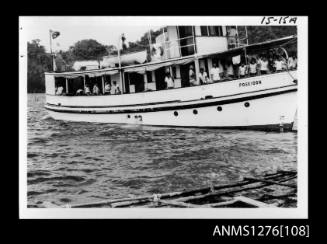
[
  {"x": 114, "y": 89},
  {"x": 87, "y": 90},
  {"x": 215, "y": 73},
  {"x": 242, "y": 70},
  {"x": 279, "y": 65},
  {"x": 192, "y": 75},
  {"x": 60, "y": 90},
  {"x": 203, "y": 77},
  {"x": 263, "y": 65},
  {"x": 169, "y": 81},
  {"x": 291, "y": 63},
  {"x": 107, "y": 88},
  {"x": 96, "y": 90},
  {"x": 253, "y": 68},
  {"x": 230, "y": 70}
]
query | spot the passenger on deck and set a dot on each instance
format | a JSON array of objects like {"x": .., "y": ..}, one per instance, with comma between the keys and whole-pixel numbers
[
  {"x": 242, "y": 70},
  {"x": 263, "y": 62},
  {"x": 253, "y": 67},
  {"x": 169, "y": 81},
  {"x": 87, "y": 90},
  {"x": 192, "y": 76},
  {"x": 115, "y": 88},
  {"x": 292, "y": 62},
  {"x": 96, "y": 90},
  {"x": 60, "y": 90},
  {"x": 79, "y": 92},
  {"x": 203, "y": 77},
  {"x": 215, "y": 73},
  {"x": 107, "y": 88},
  {"x": 279, "y": 64},
  {"x": 230, "y": 71}
]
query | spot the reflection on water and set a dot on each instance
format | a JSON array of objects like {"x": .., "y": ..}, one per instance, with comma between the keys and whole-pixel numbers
[{"x": 71, "y": 162}]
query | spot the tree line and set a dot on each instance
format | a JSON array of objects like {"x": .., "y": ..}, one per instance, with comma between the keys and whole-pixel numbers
[{"x": 39, "y": 61}]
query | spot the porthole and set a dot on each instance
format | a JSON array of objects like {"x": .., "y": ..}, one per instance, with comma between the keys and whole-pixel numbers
[
  {"x": 176, "y": 113},
  {"x": 247, "y": 104},
  {"x": 219, "y": 108},
  {"x": 128, "y": 116},
  {"x": 136, "y": 116},
  {"x": 195, "y": 111}
]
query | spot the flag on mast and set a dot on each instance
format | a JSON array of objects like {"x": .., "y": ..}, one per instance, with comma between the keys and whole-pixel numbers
[
  {"x": 123, "y": 39},
  {"x": 55, "y": 34}
]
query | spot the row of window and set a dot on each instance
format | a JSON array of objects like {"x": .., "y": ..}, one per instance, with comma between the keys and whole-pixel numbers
[
  {"x": 211, "y": 31},
  {"x": 195, "y": 111}
]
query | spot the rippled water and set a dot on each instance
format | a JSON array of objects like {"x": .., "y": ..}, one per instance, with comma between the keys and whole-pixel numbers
[{"x": 70, "y": 162}]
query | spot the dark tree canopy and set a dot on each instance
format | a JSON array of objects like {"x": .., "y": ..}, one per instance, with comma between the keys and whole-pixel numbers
[
  {"x": 38, "y": 63},
  {"x": 88, "y": 50}
]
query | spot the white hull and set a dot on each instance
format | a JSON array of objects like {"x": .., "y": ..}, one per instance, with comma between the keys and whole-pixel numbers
[{"x": 266, "y": 110}]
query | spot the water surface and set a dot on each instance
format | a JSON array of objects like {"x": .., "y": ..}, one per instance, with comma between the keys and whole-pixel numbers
[{"x": 70, "y": 162}]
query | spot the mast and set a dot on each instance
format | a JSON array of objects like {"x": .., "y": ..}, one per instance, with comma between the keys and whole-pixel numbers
[
  {"x": 119, "y": 63},
  {"x": 51, "y": 53}
]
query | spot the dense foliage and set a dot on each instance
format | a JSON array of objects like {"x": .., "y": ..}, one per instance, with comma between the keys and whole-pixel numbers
[{"x": 39, "y": 61}]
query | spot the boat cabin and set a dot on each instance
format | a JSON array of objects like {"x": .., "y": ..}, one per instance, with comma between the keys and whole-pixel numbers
[{"x": 180, "y": 51}]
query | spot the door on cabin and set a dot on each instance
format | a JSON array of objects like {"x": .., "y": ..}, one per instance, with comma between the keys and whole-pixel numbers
[{"x": 160, "y": 78}]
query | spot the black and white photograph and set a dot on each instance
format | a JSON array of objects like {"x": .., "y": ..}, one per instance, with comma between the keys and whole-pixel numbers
[{"x": 163, "y": 117}]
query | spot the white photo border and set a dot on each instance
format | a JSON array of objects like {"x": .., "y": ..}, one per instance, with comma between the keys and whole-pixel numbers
[{"x": 300, "y": 212}]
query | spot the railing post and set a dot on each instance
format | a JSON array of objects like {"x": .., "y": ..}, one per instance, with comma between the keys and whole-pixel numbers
[
  {"x": 102, "y": 78},
  {"x": 66, "y": 85}
]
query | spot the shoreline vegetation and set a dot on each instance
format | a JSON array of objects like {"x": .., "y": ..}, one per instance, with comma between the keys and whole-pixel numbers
[{"x": 39, "y": 61}]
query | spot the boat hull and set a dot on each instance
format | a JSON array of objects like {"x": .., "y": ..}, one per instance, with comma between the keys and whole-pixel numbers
[{"x": 263, "y": 110}]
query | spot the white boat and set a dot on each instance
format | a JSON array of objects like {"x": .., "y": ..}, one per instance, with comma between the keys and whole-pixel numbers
[{"x": 257, "y": 102}]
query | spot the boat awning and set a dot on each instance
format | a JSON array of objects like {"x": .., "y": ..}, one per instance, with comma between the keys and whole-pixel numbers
[
  {"x": 155, "y": 66},
  {"x": 97, "y": 73},
  {"x": 252, "y": 48}
]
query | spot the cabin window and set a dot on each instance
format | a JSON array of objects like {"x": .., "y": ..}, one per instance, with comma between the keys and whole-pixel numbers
[
  {"x": 204, "y": 30},
  {"x": 60, "y": 85},
  {"x": 211, "y": 31}
]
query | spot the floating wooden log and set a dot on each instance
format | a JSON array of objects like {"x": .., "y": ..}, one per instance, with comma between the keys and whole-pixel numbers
[
  {"x": 271, "y": 182},
  {"x": 214, "y": 196}
]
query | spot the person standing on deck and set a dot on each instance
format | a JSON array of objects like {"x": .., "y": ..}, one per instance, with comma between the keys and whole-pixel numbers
[
  {"x": 253, "y": 67},
  {"x": 192, "y": 76},
  {"x": 203, "y": 77},
  {"x": 115, "y": 88},
  {"x": 215, "y": 73},
  {"x": 242, "y": 70},
  {"x": 263, "y": 62},
  {"x": 169, "y": 81},
  {"x": 96, "y": 90},
  {"x": 230, "y": 71},
  {"x": 279, "y": 64},
  {"x": 107, "y": 88},
  {"x": 87, "y": 90}
]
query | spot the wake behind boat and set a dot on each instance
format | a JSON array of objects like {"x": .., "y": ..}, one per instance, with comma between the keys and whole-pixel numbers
[{"x": 174, "y": 88}]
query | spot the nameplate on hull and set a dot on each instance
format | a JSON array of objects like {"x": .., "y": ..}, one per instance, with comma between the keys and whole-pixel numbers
[{"x": 250, "y": 83}]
